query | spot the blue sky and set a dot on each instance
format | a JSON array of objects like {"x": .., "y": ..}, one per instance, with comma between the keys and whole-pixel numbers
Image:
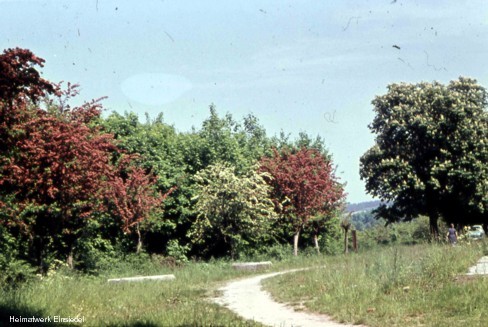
[{"x": 309, "y": 66}]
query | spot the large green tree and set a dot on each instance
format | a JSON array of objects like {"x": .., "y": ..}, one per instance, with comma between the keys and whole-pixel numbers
[{"x": 431, "y": 152}]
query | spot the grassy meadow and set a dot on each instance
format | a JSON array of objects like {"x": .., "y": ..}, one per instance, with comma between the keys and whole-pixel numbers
[
  {"x": 392, "y": 286},
  {"x": 182, "y": 302},
  {"x": 388, "y": 286}
]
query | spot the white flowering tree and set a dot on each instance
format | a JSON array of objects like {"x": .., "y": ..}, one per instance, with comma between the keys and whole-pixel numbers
[
  {"x": 431, "y": 153},
  {"x": 233, "y": 211}
]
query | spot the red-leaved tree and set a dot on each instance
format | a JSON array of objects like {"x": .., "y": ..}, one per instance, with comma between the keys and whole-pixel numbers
[
  {"x": 53, "y": 166},
  {"x": 19, "y": 78},
  {"x": 58, "y": 175},
  {"x": 56, "y": 165},
  {"x": 132, "y": 197},
  {"x": 20, "y": 87},
  {"x": 304, "y": 185}
]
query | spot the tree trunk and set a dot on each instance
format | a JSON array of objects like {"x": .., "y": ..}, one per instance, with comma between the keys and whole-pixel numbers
[
  {"x": 354, "y": 241},
  {"x": 346, "y": 247},
  {"x": 295, "y": 243},
  {"x": 38, "y": 251},
  {"x": 434, "y": 228},
  {"x": 232, "y": 250},
  {"x": 433, "y": 213},
  {"x": 139, "y": 239},
  {"x": 316, "y": 242},
  {"x": 69, "y": 260}
]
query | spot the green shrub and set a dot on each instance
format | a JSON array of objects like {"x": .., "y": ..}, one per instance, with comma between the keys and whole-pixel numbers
[
  {"x": 177, "y": 252},
  {"x": 413, "y": 232},
  {"x": 278, "y": 251},
  {"x": 15, "y": 272}
]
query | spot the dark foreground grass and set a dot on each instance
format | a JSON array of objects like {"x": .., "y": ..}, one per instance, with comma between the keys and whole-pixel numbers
[
  {"x": 182, "y": 302},
  {"x": 397, "y": 286}
]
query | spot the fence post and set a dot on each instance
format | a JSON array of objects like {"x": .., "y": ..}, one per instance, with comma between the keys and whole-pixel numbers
[{"x": 354, "y": 241}]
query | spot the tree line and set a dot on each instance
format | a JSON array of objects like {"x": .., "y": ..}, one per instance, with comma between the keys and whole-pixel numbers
[{"x": 77, "y": 186}]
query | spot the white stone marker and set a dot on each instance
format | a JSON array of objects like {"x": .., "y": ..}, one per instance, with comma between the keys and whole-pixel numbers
[
  {"x": 141, "y": 278},
  {"x": 251, "y": 265}
]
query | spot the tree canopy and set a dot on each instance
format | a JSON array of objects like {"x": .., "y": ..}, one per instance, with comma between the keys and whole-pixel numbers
[
  {"x": 431, "y": 152},
  {"x": 80, "y": 187},
  {"x": 234, "y": 210},
  {"x": 56, "y": 164},
  {"x": 304, "y": 185}
]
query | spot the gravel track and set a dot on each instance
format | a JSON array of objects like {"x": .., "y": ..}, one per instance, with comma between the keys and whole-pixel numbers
[{"x": 247, "y": 298}]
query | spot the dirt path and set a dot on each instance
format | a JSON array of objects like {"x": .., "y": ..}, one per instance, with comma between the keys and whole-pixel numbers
[
  {"x": 481, "y": 267},
  {"x": 247, "y": 298}
]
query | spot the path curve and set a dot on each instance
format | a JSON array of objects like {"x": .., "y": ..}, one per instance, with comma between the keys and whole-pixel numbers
[{"x": 247, "y": 298}]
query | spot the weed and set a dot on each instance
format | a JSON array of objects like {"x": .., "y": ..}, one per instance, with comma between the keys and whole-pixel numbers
[
  {"x": 391, "y": 286},
  {"x": 387, "y": 286}
]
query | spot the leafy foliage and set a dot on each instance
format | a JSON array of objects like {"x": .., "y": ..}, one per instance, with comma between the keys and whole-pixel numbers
[
  {"x": 430, "y": 153},
  {"x": 20, "y": 80},
  {"x": 176, "y": 157},
  {"x": 233, "y": 210},
  {"x": 304, "y": 185},
  {"x": 365, "y": 219},
  {"x": 79, "y": 188},
  {"x": 132, "y": 197},
  {"x": 55, "y": 165}
]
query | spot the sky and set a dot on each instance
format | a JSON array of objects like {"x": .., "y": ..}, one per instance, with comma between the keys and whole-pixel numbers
[{"x": 311, "y": 66}]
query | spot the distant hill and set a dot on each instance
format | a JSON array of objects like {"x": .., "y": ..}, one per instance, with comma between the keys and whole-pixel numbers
[
  {"x": 362, "y": 206},
  {"x": 362, "y": 216}
]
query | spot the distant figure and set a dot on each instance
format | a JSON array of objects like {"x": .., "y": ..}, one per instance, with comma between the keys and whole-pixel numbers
[{"x": 452, "y": 235}]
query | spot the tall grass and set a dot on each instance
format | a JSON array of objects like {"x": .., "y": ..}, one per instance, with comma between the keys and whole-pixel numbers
[
  {"x": 182, "y": 302},
  {"x": 394, "y": 286}
]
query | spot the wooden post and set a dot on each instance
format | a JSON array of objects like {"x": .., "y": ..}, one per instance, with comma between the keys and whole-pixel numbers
[
  {"x": 354, "y": 241},
  {"x": 345, "y": 224}
]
